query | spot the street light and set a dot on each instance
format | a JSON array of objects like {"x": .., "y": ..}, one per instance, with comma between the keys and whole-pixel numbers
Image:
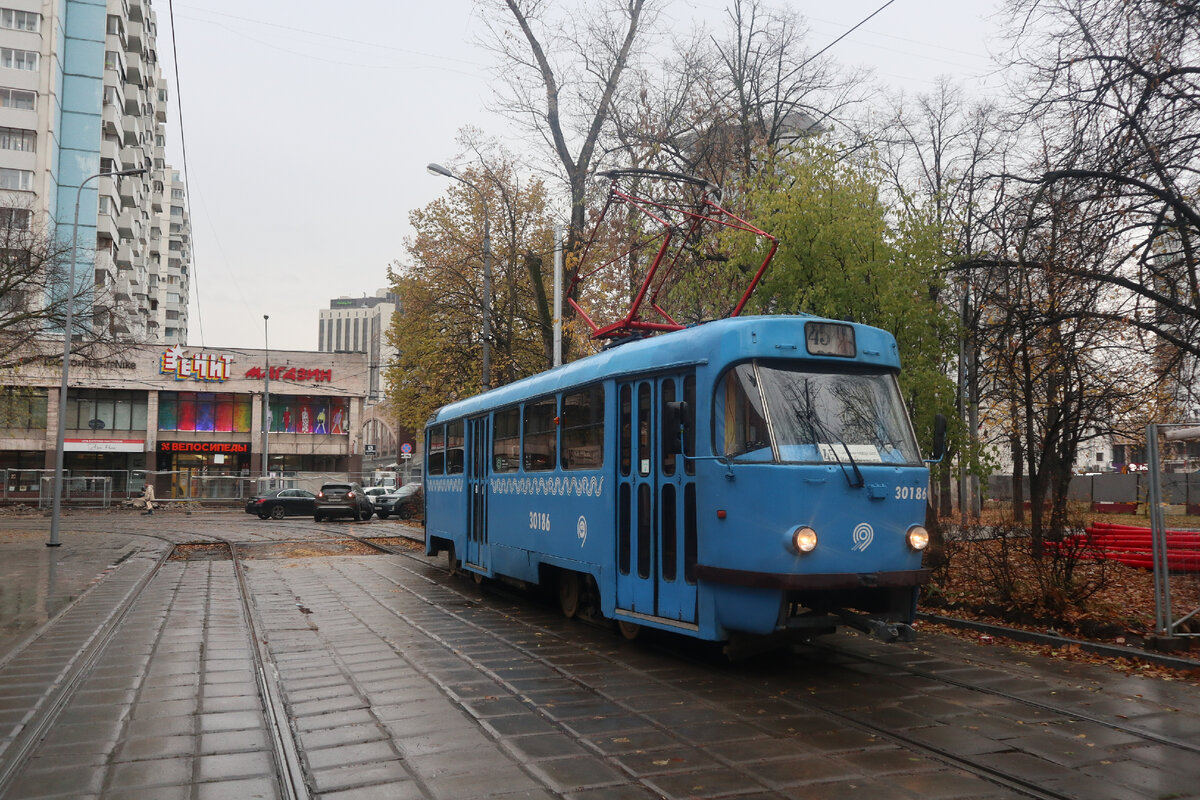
[
  {"x": 266, "y": 416},
  {"x": 438, "y": 169},
  {"x": 56, "y": 509}
]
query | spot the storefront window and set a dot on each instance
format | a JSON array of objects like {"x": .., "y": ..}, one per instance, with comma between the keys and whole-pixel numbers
[
  {"x": 102, "y": 409},
  {"x": 202, "y": 411},
  {"x": 23, "y": 409},
  {"x": 311, "y": 415}
]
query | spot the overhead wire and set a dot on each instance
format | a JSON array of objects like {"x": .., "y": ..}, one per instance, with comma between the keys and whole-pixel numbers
[{"x": 187, "y": 194}]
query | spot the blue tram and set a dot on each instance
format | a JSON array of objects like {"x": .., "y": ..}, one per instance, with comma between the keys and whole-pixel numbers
[{"x": 749, "y": 476}]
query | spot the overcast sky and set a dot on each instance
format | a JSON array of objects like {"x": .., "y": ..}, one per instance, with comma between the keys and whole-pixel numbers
[{"x": 308, "y": 126}]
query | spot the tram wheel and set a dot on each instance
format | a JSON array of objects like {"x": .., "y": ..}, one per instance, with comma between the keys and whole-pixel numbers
[
  {"x": 277, "y": 512},
  {"x": 451, "y": 559},
  {"x": 568, "y": 593},
  {"x": 629, "y": 630}
]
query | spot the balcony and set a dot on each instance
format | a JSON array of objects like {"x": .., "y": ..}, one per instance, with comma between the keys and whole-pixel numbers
[
  {"x": 125, "y": 255},
  {"x": 135, "y": 96},
  {"x": 105, "y": 226},
  {"x": 134, "y": 36},
  {"x": 131, "y": 125},
  {"x": 111, "y": 120},
  {"x": 125, "y": 226},
  {"x": 134, "y": 67},
  {"x": 122, "y": 291}
]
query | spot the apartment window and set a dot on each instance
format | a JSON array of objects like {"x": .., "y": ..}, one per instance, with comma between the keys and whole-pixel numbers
[
  {"x": 20, "y": 20},
  {"x": 17, "y": 179},
  {"x": 12, "y": 58},
  {"x": 105, "y": 205},
  {"x": 17, "y": 98},
  {"x": 176, "y": 211},
  {"x": 16, "y": 218},
  {"x": 111, "y": 59},
  {"x": 173, "y": 297},
  {"x": 176, "y": 194},
  {"x": 18, "y": 139},
  {"x": 174, "y": 245},
  {"x": 111, "y": 98}
]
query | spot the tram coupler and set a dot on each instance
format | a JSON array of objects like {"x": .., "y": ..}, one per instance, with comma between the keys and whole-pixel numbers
[{"x": 885, "y": 631}]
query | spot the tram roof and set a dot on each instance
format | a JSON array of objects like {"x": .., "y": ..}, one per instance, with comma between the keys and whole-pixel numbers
[{"x": 719, "y": 342}]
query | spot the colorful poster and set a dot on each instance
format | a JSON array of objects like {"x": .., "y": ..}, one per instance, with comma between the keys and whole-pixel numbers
[
  {"x": 167, "y": 414},
  {"x": 204, "y": 415},
  {"x": 306, "y": 416},
  {"x": 337, "y": 423},
  {"x": 242, "y": 417},
  {"x": 187, "y": 415},
  {"x": 224, "y": 421}
]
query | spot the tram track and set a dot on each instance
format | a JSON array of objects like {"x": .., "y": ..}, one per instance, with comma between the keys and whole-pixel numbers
[
  {"x": 43, "y": 711},
  {"x": 430, "y": 574},
  {"x": 1007, "y": 779},
  {"x": 16, "y": 754}
]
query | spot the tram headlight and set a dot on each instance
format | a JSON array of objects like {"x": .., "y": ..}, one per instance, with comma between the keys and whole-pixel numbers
[
  {"x": 804, "y": 539},
  {"x": 918, "y": 537}
]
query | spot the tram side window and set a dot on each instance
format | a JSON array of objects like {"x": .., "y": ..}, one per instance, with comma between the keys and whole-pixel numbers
[
  {"x": 583, "y": 429},
  {"x": 541, "y": 424},
  {"x": 626, "y": 430},
  {"x": 506, "y": 441},
  {"x": 741, "y": 429},
  {"x": 436, "y": 450},
  {"x": 454, "y": 448}
]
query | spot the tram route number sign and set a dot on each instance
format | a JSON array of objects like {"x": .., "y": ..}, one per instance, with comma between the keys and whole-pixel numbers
[
  {"x": 830, "y": 339},
  {"x": 369, "y": 449}
]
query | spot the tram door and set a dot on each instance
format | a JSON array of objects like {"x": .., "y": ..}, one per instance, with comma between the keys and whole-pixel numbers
[
  {"x": 656, "y": 496},
  {"x": 480, "y": 444}
]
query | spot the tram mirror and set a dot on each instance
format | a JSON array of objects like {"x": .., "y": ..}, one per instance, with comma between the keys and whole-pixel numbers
[
  {"x": 674, "y": 424},
  {"x": 939, "y": 438}
]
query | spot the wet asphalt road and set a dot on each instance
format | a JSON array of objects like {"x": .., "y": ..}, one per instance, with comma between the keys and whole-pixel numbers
[{"x": 330, "y": 673}]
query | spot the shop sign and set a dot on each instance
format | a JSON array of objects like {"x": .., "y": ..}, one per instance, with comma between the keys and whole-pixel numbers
[
  {"x": 103, "y": 445},
  {"x": 203, "y": 447},
  {"x": 292, "y": 374},
  {"x": 194, "y": 366}
]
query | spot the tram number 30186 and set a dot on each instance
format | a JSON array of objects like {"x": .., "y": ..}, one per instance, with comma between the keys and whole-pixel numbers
[
  {"x": 912, "y": 493},
  {"x": 539, "y": 521}
]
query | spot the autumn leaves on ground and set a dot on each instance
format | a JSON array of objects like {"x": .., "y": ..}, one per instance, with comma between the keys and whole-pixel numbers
[{"x": 989, "y": 574}]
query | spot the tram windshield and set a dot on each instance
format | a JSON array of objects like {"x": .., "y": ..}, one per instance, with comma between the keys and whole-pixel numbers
[{"x": 792, "y": 413}]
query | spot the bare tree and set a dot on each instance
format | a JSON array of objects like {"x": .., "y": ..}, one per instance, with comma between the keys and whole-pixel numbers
[
  {"x": 563, "y": 72},
  {"x": 1118, "y": 86},
  {"x": 34, "y": 268}
]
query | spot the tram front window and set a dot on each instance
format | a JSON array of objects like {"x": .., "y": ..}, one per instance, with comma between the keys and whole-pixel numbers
[{"x": 794, "y": 414}]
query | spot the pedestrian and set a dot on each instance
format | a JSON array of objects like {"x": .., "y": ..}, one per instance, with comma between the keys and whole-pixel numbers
[{"x": 148, "y": 497}]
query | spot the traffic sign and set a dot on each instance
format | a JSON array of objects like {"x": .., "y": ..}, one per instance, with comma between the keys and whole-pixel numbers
[
  {"x": 369, "y": 449},
  {"x": 406, "y": 448}
]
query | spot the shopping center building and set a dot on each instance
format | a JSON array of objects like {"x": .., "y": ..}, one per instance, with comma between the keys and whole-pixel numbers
[{"x": 183, "y": 413}]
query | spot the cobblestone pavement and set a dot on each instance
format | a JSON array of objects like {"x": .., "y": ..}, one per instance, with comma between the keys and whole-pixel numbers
[{"x": 383, "y": 677}]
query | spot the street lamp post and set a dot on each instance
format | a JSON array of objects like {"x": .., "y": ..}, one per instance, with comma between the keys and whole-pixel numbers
[
  {"x": 266, "y": 415},
  {"x": 56, "y": 509},
  {"x": 438, "y": 169}
]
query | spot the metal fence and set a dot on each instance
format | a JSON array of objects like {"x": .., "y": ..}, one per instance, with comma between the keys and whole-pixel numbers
[
  {"x": 82, "y": 492},
  {"x": 1180, "y": 489}
]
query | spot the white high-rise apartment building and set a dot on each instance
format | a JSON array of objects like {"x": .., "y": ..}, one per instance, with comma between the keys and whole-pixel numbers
[
  {"x": 81, "y": 92},
  {"x": 359, "y": 325}
]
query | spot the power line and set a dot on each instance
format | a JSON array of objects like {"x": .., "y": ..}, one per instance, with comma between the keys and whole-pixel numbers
[{"x": 187, "y": 195}]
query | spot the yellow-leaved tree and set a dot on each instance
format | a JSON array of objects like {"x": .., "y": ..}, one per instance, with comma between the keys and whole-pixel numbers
[{"x": 439, "y": 326}]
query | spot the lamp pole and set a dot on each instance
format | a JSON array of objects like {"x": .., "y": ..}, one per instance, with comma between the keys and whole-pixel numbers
[
  {"x": 56, "y": 509},
  {"x": 438, "y": 169},
  {"x": 266, "y": 417}
]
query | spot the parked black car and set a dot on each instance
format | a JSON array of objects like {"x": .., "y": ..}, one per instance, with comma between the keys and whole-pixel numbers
[
  {"x": 342, "y": 500},
  {"x": 282, "y": 503},
  {"x": 403, "y": 502}
]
